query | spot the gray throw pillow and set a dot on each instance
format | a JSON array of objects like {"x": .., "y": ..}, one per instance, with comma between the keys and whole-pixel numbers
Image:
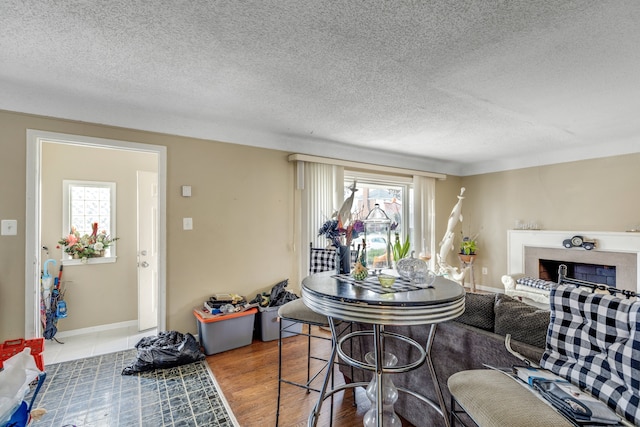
[
  {"x": 478, "y": 311},
  {"x": 524, "y": 322}
]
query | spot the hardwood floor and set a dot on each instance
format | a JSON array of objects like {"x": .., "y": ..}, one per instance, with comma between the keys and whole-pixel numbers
[{"x": 248, "y": 377}]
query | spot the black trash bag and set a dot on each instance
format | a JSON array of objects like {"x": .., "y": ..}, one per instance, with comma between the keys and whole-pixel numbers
[
  {"x": 284, "y": 298},
  {"x": 167, "y": 350},
  {"x": 279, "y": 295}
]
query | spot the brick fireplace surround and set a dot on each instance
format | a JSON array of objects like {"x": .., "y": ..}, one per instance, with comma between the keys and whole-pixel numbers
[{"x": 619, "y": 249}]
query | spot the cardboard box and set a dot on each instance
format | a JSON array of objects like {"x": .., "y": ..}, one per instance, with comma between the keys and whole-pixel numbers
[
  {"x": 225, "y": 332},
  {"x": 269, "y": 326}
]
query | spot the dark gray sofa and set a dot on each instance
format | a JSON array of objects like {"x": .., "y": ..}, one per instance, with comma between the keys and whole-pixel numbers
[{"x": 474, "y": 339}]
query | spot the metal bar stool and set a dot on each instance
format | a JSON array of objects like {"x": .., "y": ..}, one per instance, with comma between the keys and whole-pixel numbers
[
  {"x": 296, "y": 312},
  {"x": 491, "y": 399}
]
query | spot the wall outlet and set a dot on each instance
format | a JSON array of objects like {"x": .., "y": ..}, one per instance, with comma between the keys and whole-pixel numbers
[{"x": 485, "y": 271}]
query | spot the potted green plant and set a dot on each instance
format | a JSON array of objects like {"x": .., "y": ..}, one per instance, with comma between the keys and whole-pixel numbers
[
  {"x": 400, "y": 250},
  {"x": 468, "y": 248}
]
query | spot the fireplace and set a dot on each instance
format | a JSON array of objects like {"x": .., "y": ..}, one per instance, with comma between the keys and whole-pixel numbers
[
  {"x": 596, "y": 273},
  {"x": 617, "y": 255}
]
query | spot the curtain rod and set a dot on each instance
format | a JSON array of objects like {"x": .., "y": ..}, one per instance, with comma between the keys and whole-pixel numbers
[{"x": 368, "y": 166}]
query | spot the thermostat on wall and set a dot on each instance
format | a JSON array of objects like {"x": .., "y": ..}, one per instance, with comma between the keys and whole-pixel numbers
[
  {"x": 9, "y": 227},
  {"x": 186, "y": 191}
]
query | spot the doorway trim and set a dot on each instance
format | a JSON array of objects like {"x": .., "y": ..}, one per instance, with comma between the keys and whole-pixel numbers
[{"x": 35, "y": 139}]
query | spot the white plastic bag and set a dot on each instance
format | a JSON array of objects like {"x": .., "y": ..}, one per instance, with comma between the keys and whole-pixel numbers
[{"x": 19, "y": 371}]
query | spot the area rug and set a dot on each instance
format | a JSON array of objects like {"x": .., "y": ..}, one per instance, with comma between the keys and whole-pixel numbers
[{"x": 92, "y": 393}]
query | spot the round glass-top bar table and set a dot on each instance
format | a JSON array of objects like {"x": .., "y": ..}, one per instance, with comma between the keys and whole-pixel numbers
[{"x": 342, "y": 298}]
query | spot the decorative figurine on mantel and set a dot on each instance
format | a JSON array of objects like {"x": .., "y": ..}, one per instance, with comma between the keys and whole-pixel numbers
[
  {"x": 446, "y": 245},
  {"x": 580, "y": 242}
]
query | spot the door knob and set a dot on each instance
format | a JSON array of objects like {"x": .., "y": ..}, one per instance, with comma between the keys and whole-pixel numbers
[
  {"x": 143, "y": 252},
  {"x": 144, "y": 264}
]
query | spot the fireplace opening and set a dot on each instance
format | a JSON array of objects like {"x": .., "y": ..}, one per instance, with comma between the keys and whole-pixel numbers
[{"x": 605, "y": 274}]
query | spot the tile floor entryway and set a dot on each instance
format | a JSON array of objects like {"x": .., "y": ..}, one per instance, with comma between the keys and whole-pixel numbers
[
  {"x": 94, "y": 344},
  {"x": 93, "y": 392}
]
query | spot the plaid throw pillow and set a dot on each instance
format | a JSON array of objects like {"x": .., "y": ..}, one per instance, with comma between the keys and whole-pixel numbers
[
  {"x": 323, "y": 260},
  {"x": 535, "y": 283},
  {"x": 594, "y": 342}
]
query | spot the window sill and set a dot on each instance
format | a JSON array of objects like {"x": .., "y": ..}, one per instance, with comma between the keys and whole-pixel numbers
[{"x": 99, "y": 260}]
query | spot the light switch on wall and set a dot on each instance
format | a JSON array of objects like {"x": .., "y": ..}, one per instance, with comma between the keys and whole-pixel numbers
[
  {"x": 9, "y": 227},
  {"x": 187, "y": 223}
]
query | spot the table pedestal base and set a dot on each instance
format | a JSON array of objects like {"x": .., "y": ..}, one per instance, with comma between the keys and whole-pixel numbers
[
  {"x": 389, "y": 394},
  {"x": 376, "y": 419}
]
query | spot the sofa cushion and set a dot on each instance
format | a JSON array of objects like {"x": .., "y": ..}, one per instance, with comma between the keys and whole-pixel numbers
[
  {"x": 524, "y": 322},
  {"x": 478, "y": 311}
]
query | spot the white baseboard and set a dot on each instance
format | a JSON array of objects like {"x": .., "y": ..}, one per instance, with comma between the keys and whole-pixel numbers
[
  {"x": 490, "y": 289},
  {"x": 96, "y": 329}
]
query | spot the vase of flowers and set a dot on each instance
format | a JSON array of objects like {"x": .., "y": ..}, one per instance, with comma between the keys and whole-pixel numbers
[
  {"x": 341, "y": 238},
  {"x": 86, "y": 246},
  {"x": 342, "y": 229}
]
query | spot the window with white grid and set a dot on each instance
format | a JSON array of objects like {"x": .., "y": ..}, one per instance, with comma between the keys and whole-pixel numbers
[{"x": 88, "y": 202}]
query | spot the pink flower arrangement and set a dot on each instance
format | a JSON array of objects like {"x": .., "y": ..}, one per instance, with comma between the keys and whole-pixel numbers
[{"x": 87, "y": 246}]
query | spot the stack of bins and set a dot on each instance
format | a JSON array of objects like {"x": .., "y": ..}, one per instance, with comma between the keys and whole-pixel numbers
[
  {"x": 270, "y": 325},
  {"x": 218, "y": 333}
]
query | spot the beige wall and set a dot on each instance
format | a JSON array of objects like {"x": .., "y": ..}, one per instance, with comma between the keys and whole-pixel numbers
[
  {"x": 89, "y": 285},
  {"x": 243, "y": 203},
  {"x": 590, "y": 195},
  {"x": 242, "y": 210}
]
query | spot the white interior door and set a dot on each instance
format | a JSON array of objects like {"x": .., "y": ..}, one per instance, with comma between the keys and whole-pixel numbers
[{"x": 147, "y": 250}]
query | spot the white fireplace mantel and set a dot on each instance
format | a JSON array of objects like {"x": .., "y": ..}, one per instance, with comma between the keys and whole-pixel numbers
[{"x": 606, "y": 241}]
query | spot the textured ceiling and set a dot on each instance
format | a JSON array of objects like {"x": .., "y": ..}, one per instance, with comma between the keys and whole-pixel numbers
[{"x": 455, "y": 86}]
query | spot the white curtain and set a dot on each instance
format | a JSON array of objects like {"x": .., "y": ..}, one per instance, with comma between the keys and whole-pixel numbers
[
  {"x": 321, "y": 189},
  {"x": 423, "y": 238},
  {"x": 322, "y": 194}
]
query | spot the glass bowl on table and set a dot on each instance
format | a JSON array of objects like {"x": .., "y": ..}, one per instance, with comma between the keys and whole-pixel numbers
[
  {"x": 416, "y": 271},
  {"x": 386, "y": 280}
]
